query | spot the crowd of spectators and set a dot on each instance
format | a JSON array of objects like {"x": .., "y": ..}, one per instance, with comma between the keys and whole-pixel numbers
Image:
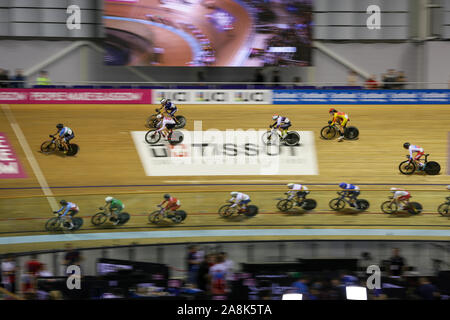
[
  {"x": 212, "y": 275},
  {"x": 18, "y": 80}
]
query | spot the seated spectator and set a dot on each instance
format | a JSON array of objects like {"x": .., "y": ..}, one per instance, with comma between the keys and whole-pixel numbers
[
  {"x": 397, "y": 264},
  {"x": 8, "y": 276},
  {"x": 18, "y": 81},
  {"x": 33, "y": 266},
  {"x": 259, "y": 76},
  {"x": 401, "y": 78},
  {"x": 389, "y": 79},
  {"x": 297, "y": 81},
  {"x": 301, "y": 286},
  {"x": 276, "y": 76},
  {"x": 4, "y": 79},
  {"x": 372, "y": 83},
  {"x": 43, "y": 79},
  {"x": 352, "y": 79},
  {"x": 427, "y": 290}
]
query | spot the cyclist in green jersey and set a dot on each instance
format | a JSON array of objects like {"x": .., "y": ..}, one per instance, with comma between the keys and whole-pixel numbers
[{"x": 115, "y": 206}]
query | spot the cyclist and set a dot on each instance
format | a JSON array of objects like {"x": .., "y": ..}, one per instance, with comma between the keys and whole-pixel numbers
[
  {"x": 165, "y": 125},
  {"x": 70, "y": 208},
  {"x": 401, "y": 197},
  {"x": 298, "y": 191},
  {"x": 114, "y": 206},
  {"x": 172, "y": 204},
  {"x": 351, "y": 191},
  {"x": 240, "y": 199},
  {"x": 64, "y": 135},
  {"x": 340, "y": 118},
  {"x": 420, "y": 152},
  {"x": 281, "y": 123},
  {"x": 169, "y": 107}
]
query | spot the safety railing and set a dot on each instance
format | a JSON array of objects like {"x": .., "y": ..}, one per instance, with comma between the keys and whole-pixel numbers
[{"x": 329, "y": 85}]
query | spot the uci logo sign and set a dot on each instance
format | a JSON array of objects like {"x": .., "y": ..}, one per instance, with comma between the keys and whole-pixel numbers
[
  {"x": 215, "y": 96},
  {"x": 243, "y": 96},
  {"x": 180, "y": 96}
]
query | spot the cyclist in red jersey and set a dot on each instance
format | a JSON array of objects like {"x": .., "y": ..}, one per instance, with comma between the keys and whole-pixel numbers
[{"x": 172, "y": 203}]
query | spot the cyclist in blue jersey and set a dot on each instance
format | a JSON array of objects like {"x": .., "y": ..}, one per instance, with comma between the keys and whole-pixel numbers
[
  {"x": 351, "y": 191},
  {"x": 64, "y": 134},
  {"x": 169, "y": 107},
  {"x": 70, "y": 208}
]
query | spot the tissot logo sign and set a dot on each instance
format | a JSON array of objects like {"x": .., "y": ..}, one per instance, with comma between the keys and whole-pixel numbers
[
  {"x": 214, "y": 96},
  {"x": 230, "y": 152}
]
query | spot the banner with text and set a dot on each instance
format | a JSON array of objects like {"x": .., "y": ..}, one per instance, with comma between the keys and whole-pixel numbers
[
  {"x": 10, "y": 167},
  {"x": 78, "y": 96},
  {"x": 361, "y": 96},
  {"x": 230, "y": 152},
  {"x": 214, "y": 96}
]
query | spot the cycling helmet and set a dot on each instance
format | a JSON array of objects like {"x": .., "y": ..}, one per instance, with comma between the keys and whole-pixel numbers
[
  {"x": 159, "y": 116},
  {"x": 234, "y": 194},
  {"x": 290, "y": 185},
  {"x": 406, "y": 145},
  {"x": 59, "y": 126},
  {"x": 275, "y": 117},
  {"x": 163, "y": 101},
  {"x": 393, "y": 189},
  {"x": 342, "y": 185},
  {"x": 108, "y": 199},
  {"x": 63, "y": 202},
  {"x": 332, "y": 110},
  {"x": 448, "y": 187},
  {"x": 167, "y": 196}
]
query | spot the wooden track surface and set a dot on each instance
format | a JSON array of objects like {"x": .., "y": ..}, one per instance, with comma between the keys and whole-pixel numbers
[{"x": 108, "y": 157}]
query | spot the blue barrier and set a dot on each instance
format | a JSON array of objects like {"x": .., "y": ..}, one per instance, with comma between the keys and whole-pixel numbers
[{"x": 438, "y": 96}]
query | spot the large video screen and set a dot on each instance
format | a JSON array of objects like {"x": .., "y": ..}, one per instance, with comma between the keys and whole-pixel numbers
[{"x": 253, "y": 33}]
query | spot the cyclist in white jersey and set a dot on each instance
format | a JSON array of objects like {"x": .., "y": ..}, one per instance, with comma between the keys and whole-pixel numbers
[
  {"x": 415, "y": 149},
  {"x": 401, "y": 197},
  {"x": 298, "y": 191},
  {"x": 240, "y": 199},
  {"x": 165, "y": 125}
]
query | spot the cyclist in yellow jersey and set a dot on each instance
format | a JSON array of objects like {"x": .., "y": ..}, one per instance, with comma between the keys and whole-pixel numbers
[{"x": 341, "y": 119}]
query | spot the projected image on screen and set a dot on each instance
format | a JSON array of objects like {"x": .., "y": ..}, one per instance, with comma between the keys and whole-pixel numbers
[{"x": 208, "y": 32}]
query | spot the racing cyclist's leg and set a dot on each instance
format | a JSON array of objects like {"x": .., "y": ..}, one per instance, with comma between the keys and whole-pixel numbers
[
  {"x": 115, "y": 215},
  {"x": 244, "y": 204},
  {"x": 69, "y": 216},
  {"x": 417, "y": 160},
  {"x": 342, "y": 129}
]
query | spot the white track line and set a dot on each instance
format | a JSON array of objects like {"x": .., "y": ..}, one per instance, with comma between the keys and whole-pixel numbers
[
  {"x": 31, "y": 159},
  {"x": 230, "y": 181}
]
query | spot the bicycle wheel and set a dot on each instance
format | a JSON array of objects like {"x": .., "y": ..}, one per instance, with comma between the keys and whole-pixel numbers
[
  {"x": 123, "y": 218},
  {"x": 181, "y": 122},
  {"x": 309, "y": 204},
  {"x": 292, "y": 138},
  {"x": 285, "y": 205},
  {"x": 52, "y": 224},
  {"x": 362, "y": 204},
  {"x": 73, "y": 149},
  {"x": 432, "y": 168},
  {"x": 226, "y": 210},
  {"x": 48, "y": 147},
  {"x": 337, "y": 204},
  {"x": 351, "y": 133},
  {"x": 151, "y": 121},
  {"x": 328, "y": 132},
  {"x": 407, "y": 167},
  {"x": 389, "y": 207},
  {"x": 182, "y": 214},
  {"x": 176, "y": 137},
  {"x": 99, "y": 218},
  {"x": 415, "y": 208},
  {"x": 444, "y": 209},
  {"x": 152, "y": 137},
  {"x": 270, "y": 137},
  {"x": 77, "y": 223},
  {"x": 251, "y": 211},
  {"x": 155, "y": 217}
]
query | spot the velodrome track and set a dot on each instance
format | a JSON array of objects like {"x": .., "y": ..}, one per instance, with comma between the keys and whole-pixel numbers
[{"x": 108, "y": 164}]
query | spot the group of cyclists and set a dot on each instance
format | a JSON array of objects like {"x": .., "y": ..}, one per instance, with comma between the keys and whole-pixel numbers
[
  {"x": 296, "y": 192},
  {"x": 167, "y": 121}
]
